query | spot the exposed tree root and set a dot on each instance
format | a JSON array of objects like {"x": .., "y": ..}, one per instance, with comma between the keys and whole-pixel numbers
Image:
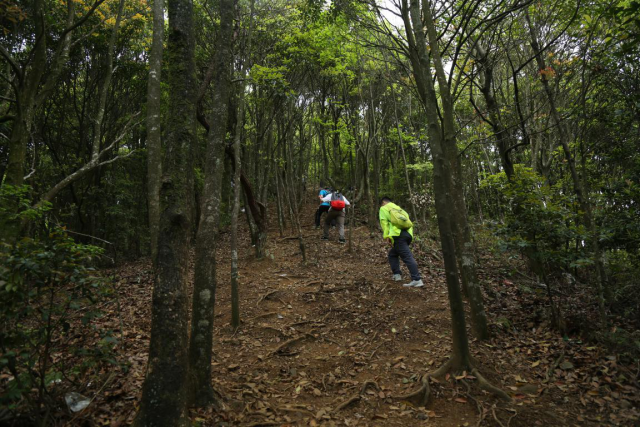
[
  {"x": 265, "y": 296},
  {"x": 495, "y": 417},
  {"x": 291, "y": 342},
  {"x": 295, "y": 409},
  {"x": 260, "y": 316},
  {"x": 442, "y": 370},
  {"x": 419, "y": 397},
  {"x": 486, "y": 385},
  {"x": 352, "y": 399},
  {"x": 356, "y": 397}
]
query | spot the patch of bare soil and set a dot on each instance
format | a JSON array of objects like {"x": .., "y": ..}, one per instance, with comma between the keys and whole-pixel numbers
[{"x": 334, "y": 341}]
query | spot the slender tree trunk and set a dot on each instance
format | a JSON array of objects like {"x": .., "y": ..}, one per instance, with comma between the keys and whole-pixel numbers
[
  {"x": 235, "y": 295},
  {"x": 164, "y": 394},
  {"x": 201, "y": 391},
  {"x": 460, "y": 358},
  {"x": 460, "y": 225},
  {"x": 154, "y": 128}
]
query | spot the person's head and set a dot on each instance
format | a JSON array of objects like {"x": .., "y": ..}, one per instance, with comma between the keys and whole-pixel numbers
[{"x": 385, "y": 200}]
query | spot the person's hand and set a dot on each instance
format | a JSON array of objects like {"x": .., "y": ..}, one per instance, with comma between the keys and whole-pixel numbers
[{"x": 389, "y": 241}]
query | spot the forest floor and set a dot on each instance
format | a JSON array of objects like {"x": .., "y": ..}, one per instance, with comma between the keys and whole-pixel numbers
[{"x": 333, "y": 341}]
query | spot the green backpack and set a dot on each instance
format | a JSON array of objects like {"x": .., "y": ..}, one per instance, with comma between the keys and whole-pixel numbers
[{"x": 400, "y": 218}]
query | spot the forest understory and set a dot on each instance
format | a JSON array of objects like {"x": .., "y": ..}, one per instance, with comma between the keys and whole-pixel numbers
[{"x": 336, "y": 342}]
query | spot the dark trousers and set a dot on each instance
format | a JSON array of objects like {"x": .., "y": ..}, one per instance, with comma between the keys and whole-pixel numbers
[
  {"x": 321, "y": 209},
  {"x": 401, "y": 250}
]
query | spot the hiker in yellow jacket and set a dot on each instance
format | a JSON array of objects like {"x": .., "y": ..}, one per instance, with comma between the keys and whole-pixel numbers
[{"x": 399, "y": 239}]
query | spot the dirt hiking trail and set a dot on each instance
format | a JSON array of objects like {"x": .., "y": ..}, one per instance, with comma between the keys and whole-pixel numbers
[{"x": 335, "y": 341}]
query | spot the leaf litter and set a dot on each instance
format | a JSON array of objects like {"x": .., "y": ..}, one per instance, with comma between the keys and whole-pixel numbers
[{"x": 333, "y": 341}]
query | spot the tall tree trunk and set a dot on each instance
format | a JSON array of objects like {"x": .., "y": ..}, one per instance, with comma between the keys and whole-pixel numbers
[
  {"x": 460, "y": 226},
  {"x": 235, "y": 298},
  {"x": 154, "y": 128},
  {"x": 164, "y": 394},
  {"x": 201, "y": 391},
  {"x": 443, "y": 186}
]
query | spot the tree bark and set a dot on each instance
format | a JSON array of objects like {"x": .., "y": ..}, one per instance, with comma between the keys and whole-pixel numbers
[
  {"x": 443, "y": 185},
  {"x": 235, "y": 298},
  {"x": 460, "y": 226},
  {"x": 164, "y": 394},
  {"x": 201, "y": 392},
  {"x": 154, "y": 128}
]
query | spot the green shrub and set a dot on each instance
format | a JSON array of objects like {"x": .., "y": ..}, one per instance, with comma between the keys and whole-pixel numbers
[{"x": 50, "y": 340}]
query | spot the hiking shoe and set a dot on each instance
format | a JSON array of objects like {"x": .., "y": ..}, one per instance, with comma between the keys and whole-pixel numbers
[
  {"x": 324, "y": 238},
  {"x": 342, "y": 241},
  {"x": 397, "y": 277},
  {"x": 414, "y": 284}
]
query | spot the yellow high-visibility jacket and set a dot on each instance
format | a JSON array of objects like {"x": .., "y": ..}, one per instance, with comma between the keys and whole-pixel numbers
[{"x": 388, "y": 229}]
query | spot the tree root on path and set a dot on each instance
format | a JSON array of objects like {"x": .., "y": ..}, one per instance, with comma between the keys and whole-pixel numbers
[
  {"x": 358, "y": 396},
  {"x": 295, "y": 409},
  {"x": 421, "y": 396},
  {"x": 265, "y": 296},
  {"x": 260, "y": 316},
  {"x": 290, "y": 342},
  {"x": 486, "y": 385}
]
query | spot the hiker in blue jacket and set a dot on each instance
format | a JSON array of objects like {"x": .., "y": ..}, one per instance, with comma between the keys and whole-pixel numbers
[{"x": 324, "y": 207}]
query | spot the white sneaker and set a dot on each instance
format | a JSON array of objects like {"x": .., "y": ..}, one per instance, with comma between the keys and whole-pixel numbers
[
  {"x": 414, "y": 284},
  {"x": 397, "y": 277}
]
